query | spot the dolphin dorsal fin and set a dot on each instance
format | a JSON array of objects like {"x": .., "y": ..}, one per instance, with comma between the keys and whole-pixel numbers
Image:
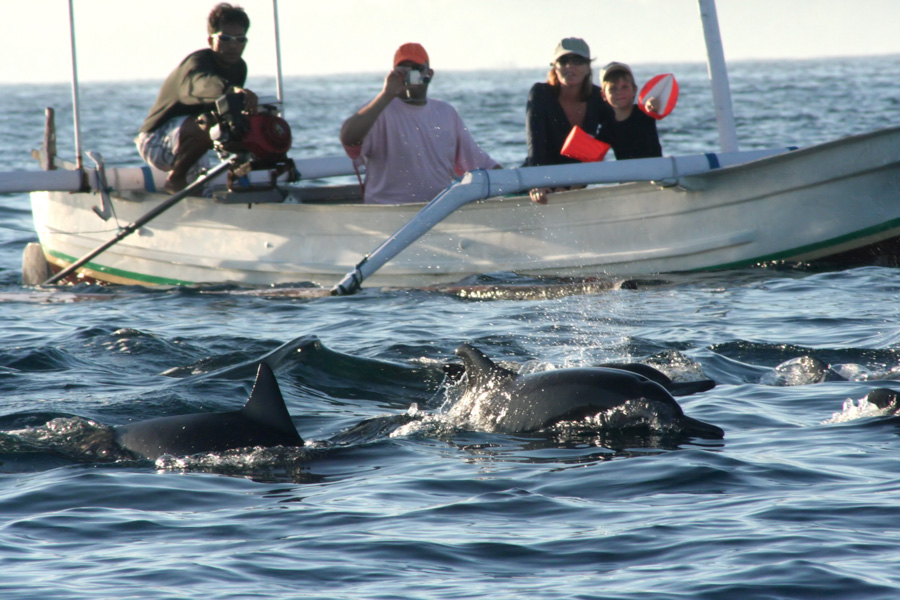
[
  {"x": 266, "y": 404},
  {"x": 480, "y": 370}
]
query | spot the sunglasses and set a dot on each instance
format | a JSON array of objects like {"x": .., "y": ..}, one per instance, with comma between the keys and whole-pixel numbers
[
  {"x": 224, "y": 37},
  {"x": 571, "y": 59}
]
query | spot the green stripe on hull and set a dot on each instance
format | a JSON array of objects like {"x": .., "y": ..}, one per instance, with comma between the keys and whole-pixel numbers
[
  {"x": 138, "y": 278},
  {"x": 141, "y": 278},
  {"x": 787, "y": 254}
]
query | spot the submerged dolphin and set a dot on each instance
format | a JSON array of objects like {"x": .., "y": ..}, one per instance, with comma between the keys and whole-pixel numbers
[
  {"x": 264, "y": 421},
  {"x": 522, "y": 403},
  {"x": 802, "y": 370}
]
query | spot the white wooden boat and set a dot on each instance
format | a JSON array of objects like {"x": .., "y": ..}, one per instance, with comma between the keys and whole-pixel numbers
[
  {"x": 634, "y": 217},
  {"x": 800, "y": 205}
]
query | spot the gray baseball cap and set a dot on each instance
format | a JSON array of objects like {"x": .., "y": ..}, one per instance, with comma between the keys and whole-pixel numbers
[{"x": 573, "y": 45}]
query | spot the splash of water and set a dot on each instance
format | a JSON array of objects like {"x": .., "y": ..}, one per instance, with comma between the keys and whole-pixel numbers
[{"x": 853, "y": 410}]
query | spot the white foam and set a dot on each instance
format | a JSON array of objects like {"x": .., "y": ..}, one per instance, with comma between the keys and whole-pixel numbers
[{"x": 853, "y": 410}]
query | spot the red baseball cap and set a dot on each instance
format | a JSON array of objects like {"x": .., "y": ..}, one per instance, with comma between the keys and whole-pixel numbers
[{"x": 411, "y": 51}]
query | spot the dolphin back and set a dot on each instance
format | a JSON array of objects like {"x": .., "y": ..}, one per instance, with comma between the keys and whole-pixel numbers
[
  {"x": 540, "y": 400},
  {"x": 620, "y": 397}
]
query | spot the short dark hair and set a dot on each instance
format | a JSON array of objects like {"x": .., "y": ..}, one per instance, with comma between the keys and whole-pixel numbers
[
  {"x": 617, "y": 76},
  {"x": 226, "y": 14}
]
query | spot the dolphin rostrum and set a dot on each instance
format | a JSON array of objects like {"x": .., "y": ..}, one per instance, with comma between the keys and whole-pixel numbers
[
  {"x": 522, "y": 403},
  {"x": 263, "y": 421}
]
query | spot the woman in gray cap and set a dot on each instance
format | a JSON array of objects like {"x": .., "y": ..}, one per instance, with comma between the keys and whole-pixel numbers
[{"x": 568, "y": 98}]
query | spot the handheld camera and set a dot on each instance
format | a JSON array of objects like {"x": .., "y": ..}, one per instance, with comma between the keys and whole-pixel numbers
[{"x": 416, "y": 77}]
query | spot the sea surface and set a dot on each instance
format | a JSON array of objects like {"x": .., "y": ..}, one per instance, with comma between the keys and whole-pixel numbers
[{"x": 397, "y": 494}]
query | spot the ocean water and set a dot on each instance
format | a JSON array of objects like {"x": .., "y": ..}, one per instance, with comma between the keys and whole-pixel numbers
[{"x": 397, "y": 494}]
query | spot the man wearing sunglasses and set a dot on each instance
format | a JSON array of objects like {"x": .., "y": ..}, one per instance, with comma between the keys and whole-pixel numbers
[
  {"x": 171, "y": 138},
  {"x": 412, "y": 146}
]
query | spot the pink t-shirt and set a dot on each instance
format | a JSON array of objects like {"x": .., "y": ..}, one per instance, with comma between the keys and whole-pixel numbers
[{"x": 413, "y": 152}]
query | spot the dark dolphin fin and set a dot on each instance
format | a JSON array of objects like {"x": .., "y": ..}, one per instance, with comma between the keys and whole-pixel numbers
[
  {"x": 454, "y": 371},
  {"x": 263, "y": 421},
  {"x": 676, "y": 388},
  {"x": 480, "y": 369},
  {"x": 266, "y": 404}
]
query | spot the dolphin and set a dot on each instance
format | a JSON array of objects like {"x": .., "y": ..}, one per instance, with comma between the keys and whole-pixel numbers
[
  {"x": 263, "y": 421},
  {"x": 455, "y": 372},
  {"x": 802, "y": 370},
  {"x": 676, "y": 388},
  {"x": 523, "y": 403},
  {"x": 884, "y": 398}
]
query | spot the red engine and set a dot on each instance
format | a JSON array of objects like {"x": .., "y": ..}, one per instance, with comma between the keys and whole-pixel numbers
[
  {"x": 259, "y": 141},
  {"x": 268, "y": 138}
]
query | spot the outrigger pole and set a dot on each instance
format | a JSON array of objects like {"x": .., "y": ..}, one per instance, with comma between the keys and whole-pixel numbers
[
  {"x": 481, "y": 184},
  {"x": 75, "y": 106}
]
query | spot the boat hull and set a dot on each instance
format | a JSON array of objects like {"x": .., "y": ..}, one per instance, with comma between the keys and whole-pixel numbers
[{"x": 805, "y": 205}]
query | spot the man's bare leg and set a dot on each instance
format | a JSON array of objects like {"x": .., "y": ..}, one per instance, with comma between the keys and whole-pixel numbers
[{"x": 193, "y": 143}]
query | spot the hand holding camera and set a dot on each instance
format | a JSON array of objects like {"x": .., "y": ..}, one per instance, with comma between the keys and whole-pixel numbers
[
  {"x": 407, "y": 82},
  {"x": 416, "y": 77}
]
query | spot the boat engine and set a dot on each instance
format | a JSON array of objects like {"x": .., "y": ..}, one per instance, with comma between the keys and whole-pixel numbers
[{"x": 261, "y": 141}]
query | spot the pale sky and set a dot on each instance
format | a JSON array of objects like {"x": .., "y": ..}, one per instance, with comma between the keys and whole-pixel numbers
[{"x": 130, "y": 39}]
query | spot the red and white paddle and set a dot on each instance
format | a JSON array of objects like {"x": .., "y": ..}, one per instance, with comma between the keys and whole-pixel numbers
[{"x": 664, "y": 89}]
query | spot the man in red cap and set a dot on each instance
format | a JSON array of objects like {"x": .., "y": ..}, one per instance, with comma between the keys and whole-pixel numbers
[{"x": 412, "y": 147}]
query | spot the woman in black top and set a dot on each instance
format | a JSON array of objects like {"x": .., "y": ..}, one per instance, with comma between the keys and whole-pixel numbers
[{"x": 568, "y": 98}]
